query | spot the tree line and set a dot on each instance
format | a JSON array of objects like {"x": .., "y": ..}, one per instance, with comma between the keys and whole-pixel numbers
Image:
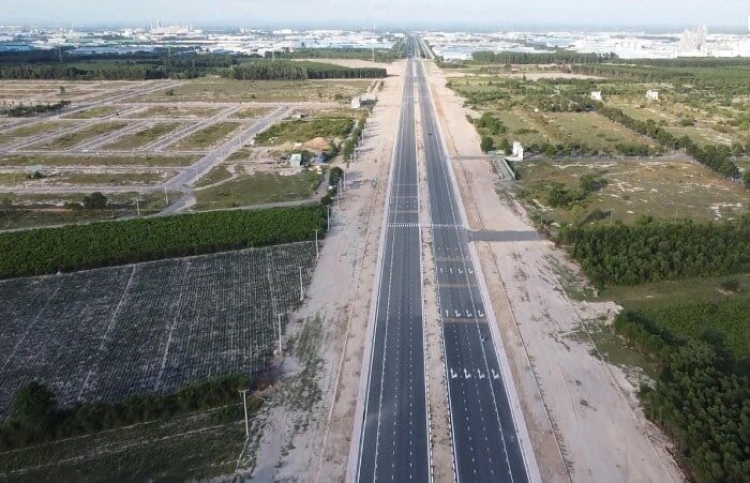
[
  {"x": 94, "y": 245},
  {"x": 701, "y": 398},
  {"x": 557, "y": 57},
  {"x": 288, "y": 70},
  {"x": 36, "y": 418},
  {"x": 628, "y": 255}
]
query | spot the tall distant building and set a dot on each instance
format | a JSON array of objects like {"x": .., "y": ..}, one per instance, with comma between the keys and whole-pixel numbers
[{"x": 693, "y": 40}]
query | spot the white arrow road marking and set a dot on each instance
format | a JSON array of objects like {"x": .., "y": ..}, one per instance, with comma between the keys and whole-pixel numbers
[
  {"x": 453, "y": 374},
  {"x": 481, "y": 376},
  {"x": 495, "y": 375},
  {"x": 466, "y": 374}
]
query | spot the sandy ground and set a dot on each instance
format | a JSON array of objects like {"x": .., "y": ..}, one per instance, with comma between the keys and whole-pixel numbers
[
  {"x": 529, "y": 75},
  {"x": 581, "y": 412},
  {"x": 312, "y": 443}
]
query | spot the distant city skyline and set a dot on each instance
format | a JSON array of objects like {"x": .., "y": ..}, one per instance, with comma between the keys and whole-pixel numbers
[{"x": 509, "y": 14}]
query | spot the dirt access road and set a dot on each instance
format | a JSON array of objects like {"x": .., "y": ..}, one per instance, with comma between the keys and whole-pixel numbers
[{"x": 582, "y": 413}]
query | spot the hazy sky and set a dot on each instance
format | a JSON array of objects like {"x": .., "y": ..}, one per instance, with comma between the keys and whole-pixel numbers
[{"x": 486, "y": 13}]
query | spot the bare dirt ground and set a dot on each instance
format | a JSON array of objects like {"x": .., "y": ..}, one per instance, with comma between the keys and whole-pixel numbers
[
  {"x": 529, "y": 75},
  {"x": 581, "y": 412},
  {"x": 310, "y": 442}
]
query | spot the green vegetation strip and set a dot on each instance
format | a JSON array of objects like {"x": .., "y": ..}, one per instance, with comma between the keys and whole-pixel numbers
[
  {"x": 70, "y": 248},
  {"x": 36, "y": 418},
  {"x": 286, "y": 70}
]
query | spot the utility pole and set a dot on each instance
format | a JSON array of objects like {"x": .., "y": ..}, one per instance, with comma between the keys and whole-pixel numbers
[
  {"x": 166, "y": 196},
  {"x": 244, "y": 404},
  {"x": 278, "y": 318},
  {"x": 137, "y": 207},
  {"x": 316, "y": 245},
  {"x": 329, "y": 218},
  {"x": 301, "y": 288}
]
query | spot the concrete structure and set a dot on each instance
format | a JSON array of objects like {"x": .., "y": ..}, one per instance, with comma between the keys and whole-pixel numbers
[
  {"x": 652, "y": 95},
  {"x": 295, "y": 160},
  {"x": 596, "y": 95},
  {"x": 356, "y": 103}
]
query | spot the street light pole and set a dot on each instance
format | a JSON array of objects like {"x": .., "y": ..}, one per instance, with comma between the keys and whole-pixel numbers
[
  {"x": 316, "y": 245},
  {"x": 244, "y": 404},
  {"x": 278, "y": 318},
  {"x": 137, "y": 207},
  {"x": 166, "y": 196},
  {"x": 329, "y": 218},
  {"x": 301, "y": 288}
]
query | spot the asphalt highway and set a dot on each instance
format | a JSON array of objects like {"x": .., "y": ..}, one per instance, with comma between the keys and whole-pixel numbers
[
  {"x": 394, "y": 437},
  {"x": 486, "y": 446}
]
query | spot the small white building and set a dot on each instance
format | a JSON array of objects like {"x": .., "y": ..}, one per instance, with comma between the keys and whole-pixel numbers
[
  {"x": 596, "y": 95},
  {"x": 295, "y": 160},
  {"x": 356, "y": 103},
  {"x": 652, "y": 95},
  {"x": 518, "y": 150}
]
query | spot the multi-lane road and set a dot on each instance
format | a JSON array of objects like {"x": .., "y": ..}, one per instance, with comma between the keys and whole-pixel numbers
[
  {"x": 393, "y": 441},
  {"x": 393, "y": 445}
]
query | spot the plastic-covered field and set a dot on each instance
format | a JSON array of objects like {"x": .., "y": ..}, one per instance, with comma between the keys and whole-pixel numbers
[{"x": 103, "y": 335}]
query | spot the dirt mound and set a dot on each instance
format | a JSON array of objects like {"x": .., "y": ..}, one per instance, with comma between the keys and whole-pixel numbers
[{"x": 319, "y": 144}]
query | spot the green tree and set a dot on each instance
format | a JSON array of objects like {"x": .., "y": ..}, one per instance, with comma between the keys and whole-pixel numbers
[
  {"x": 34, "y": 406},
  {"x": 96, "y": 201},
  {"x": 487, "y": 144}
]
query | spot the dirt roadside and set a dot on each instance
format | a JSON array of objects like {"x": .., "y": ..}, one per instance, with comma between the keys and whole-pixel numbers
[
  {"x": 581, "y": 412},
  {"x": 311, "y": 441}
]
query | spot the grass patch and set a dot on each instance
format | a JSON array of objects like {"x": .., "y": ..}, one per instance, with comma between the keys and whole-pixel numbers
[
  {"x": 304, "y": 130},
  {"x": 110, "y": 178},
  {"x": 205, "y": 138},
  {"x": 142, "y": 138},
  {"x": 216, "y": 175},
  {"x": 251, "y": 112},
  {"x": 259, "y": 188},
  {"x": 75, "y": 138},
  {"x": 663, "y": 189}
]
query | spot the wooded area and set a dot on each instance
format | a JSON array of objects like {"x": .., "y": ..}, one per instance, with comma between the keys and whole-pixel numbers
[
  {"x": 289, "y": 70},
  {"x": 627, "y": 255}
]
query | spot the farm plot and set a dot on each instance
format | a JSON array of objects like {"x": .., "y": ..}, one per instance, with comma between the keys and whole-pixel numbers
[{"x": 102, "y": 335}]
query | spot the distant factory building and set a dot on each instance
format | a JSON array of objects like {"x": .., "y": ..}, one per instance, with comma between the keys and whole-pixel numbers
[
  {"x": 596, "y": 95},
  {"x": 652, "y": 95}
]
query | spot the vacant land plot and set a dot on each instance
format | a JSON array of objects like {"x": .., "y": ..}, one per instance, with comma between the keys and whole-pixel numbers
[
  {"x": 305, "y": 130},
  {"x": 93, "y": 113},
  {"x": 701, "y": 125},
  {"x": 142, "y": 138},
  {"x": 94, "y": 160},
  {"x": 174, "y": 112},
  {"x": 663, "y": 189},
  {"x": 251, "y": 112},
  {"x": 102, "y": 335},
  {"x": 259, "y": 188},
  {"x": 117, "y": 178},
  {"x": 70, "y": 140},
  {"x": 226, "y": 90},
  {"x": 35, "y": 129},
  {"x": 208, "y": 137}
]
